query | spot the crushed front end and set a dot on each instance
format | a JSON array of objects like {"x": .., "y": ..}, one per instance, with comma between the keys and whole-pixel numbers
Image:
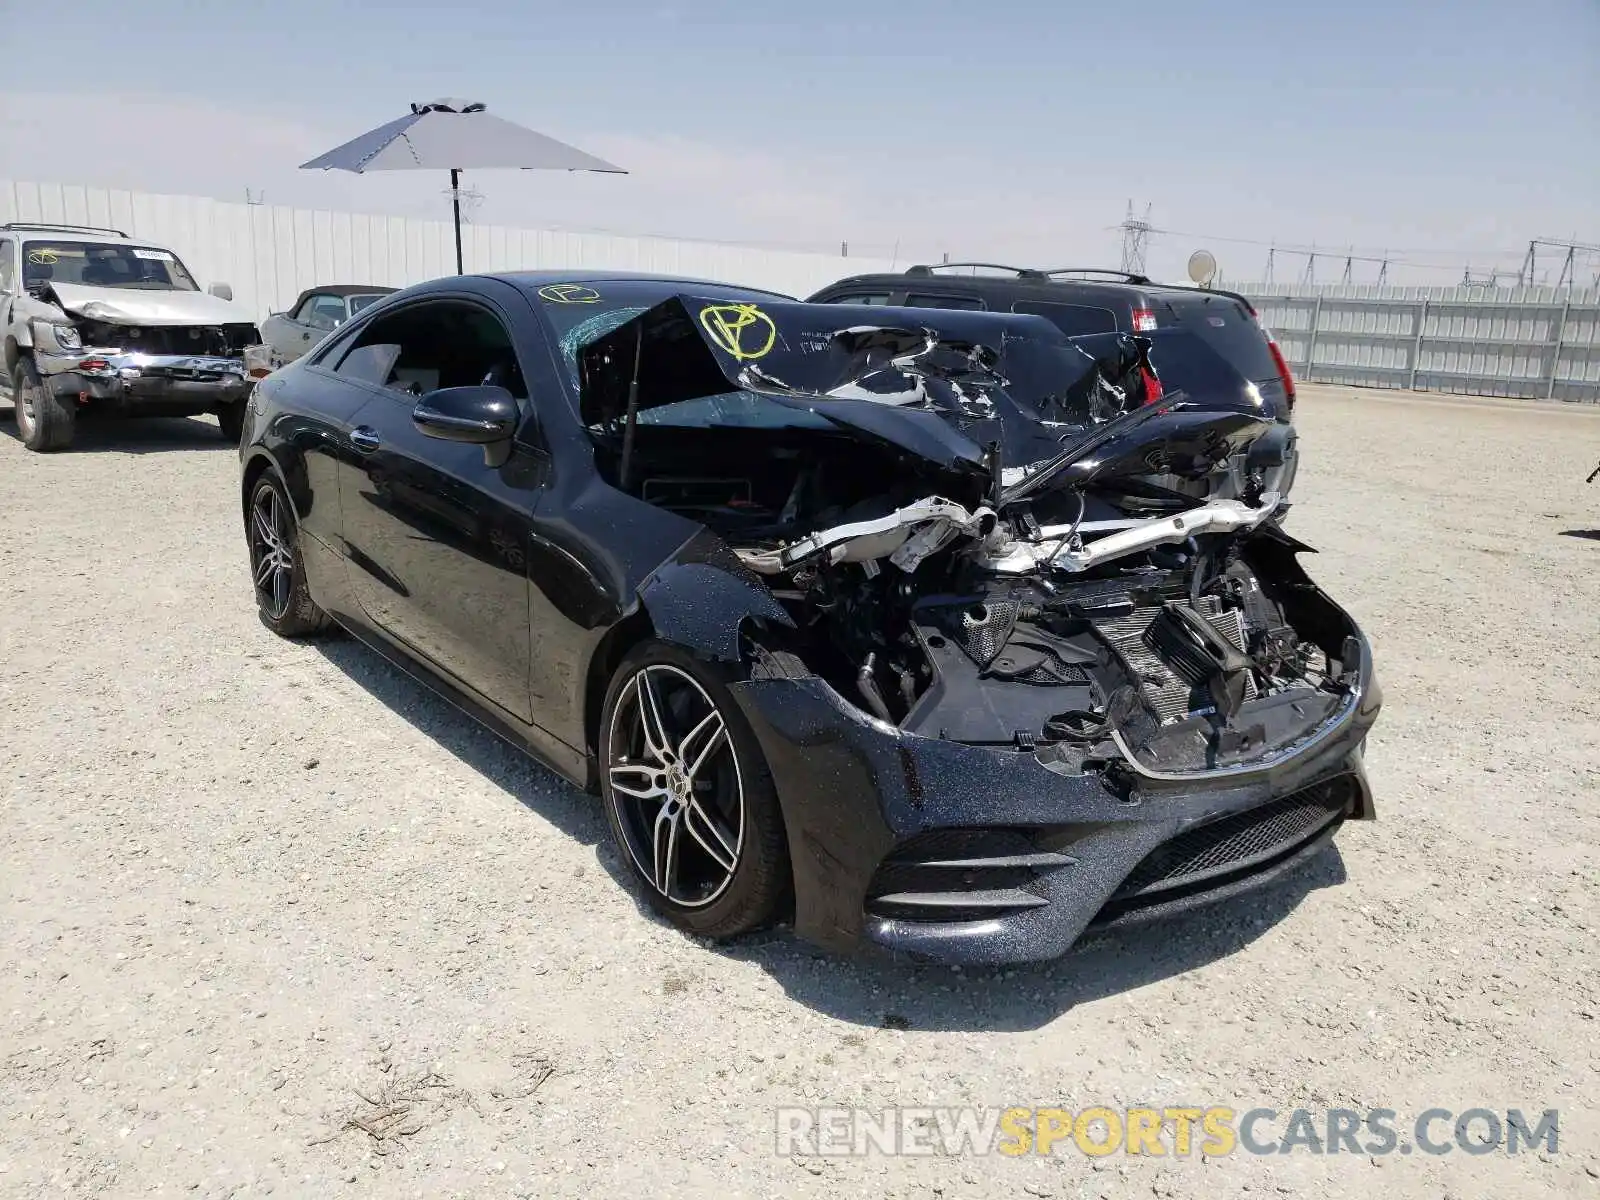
[
  {"x": 136, "y": 357},
  {"x": 1048, "y": 754},
  {"x": 1022, "y": 689},
  {"x": 112, "y": 371}
]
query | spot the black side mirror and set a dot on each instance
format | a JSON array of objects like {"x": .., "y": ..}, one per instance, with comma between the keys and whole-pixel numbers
[
  {"x": 480, "y": 415},
  {"x": 483, "y": 416}
]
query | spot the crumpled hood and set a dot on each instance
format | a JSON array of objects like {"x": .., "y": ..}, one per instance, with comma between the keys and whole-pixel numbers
[
  {"x": 130, "y": 306},
  {"x": 968, "y": 391}
]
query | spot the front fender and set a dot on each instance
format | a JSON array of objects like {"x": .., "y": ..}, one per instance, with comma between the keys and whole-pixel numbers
[{"x": 702, "y": 598}]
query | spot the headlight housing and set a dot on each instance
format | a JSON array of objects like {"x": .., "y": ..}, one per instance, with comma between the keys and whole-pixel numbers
[{"x": 64, "y": 336}]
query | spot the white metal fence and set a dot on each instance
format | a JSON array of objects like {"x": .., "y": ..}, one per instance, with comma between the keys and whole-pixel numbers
[
  {"x": 1531, "y": 342},
  {"x": 1536, "y": 343},
  {"x": 269, "y": 253}
]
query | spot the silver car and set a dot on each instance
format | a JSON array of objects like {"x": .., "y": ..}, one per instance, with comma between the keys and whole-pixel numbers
[
  {"x": 315, "y": 314},
  {"x": 96, "y": 322}
]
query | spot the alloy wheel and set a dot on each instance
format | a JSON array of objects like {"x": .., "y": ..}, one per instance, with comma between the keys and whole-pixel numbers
[
  {"x": 675, "y": 785},
  {"x": 271, "y": 551}
]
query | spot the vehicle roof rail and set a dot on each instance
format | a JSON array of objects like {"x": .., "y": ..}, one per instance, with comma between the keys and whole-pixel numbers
[
  {"x": 1125, "y": 276},
  {"x": 1019, "y": 272},
  {"x": 46, "y": 226}
]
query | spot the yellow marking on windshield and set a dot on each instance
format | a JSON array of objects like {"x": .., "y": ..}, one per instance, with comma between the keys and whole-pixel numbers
[
  {"x": 741, "y": 330},
  {"x": 569, "y": 293}
]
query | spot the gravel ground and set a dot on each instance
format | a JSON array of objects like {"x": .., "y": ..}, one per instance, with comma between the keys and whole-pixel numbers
[{"x": 252, "y": 892}]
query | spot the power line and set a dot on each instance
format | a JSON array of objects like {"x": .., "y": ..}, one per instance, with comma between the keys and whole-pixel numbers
[{"x": 1391, "y": 253}]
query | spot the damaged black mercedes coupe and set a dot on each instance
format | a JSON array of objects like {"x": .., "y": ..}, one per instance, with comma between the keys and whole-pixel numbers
[{"x": 939, "y": 629}]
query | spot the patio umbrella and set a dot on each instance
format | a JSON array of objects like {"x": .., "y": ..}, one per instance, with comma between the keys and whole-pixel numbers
[{"x": 455, "y": 136}]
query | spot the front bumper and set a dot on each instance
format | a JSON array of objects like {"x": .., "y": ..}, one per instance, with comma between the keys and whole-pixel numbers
[
  {"x": 146, "y": 384},
  {"x": 973, "y": 854}
]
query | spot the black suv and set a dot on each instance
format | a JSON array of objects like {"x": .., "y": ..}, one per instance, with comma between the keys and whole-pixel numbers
[{"x": 1089, "y": 300}]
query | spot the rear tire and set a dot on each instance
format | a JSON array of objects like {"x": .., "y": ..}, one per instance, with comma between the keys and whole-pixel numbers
[
  {"x": 45, "y": 421},
  {"x": 688, "y": 795},
  {"x": 277, "y": 567}
]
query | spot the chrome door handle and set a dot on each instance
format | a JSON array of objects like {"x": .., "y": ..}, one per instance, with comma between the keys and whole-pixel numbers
[{"x": 364, "y": 438}]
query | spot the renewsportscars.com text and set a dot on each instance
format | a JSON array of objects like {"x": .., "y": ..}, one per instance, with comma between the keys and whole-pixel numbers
[{"x": 1177, "y": 1132}]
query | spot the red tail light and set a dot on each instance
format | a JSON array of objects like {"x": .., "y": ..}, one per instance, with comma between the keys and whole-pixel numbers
[
  {"x": 1144, "y": 320},
  {"x": 93, "y": 364},
  {"x": 1283, "y": 369},
  {"x": 1152, "y": 385}
]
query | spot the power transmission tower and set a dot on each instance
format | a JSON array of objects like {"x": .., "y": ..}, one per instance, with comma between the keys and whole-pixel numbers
[
  {"x": 1271, "y": 252},
  {"x": 1135, "y": 240},
  {"x": 1349, "y": 261},
  {"x": 1383, "y": 273},
  {"x": 1310, "y": 277},
  {"x": 1569, "y": 270},
  {"x": 471, "y": 200},
  {"x": 1569, "y": 261}
]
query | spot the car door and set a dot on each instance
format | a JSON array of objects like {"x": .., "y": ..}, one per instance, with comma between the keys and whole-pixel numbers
[
  {"x": 293, "y": 334},
  {"x": 436, "y": 534}
]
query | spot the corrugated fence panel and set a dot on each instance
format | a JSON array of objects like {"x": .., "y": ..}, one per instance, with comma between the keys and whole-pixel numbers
[
  {"x": 269, "y": 254},
  {"x": 1536, "y": 342}
]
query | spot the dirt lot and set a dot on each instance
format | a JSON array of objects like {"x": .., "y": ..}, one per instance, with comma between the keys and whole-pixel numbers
[{"x": 254, "y": 895}]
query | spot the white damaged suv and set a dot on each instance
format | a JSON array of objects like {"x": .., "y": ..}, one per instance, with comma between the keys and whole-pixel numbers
[{"x": 95, "y": 321}]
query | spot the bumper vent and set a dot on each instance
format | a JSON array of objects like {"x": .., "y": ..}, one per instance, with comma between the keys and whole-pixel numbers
[
  {"x": 1236, "y": 845},
  {"x": 961, "y": 875}
]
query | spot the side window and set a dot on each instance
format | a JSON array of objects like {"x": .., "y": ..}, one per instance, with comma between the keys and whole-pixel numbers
[
  {"x": 438, "y": 344},
  {"x": 322, "y": 312},
  {"x": 872, "y": 298},
  {"x": 928, "y": 300},
  {"x": 8, "y": 268},
  {"x": 1071, "y": 319}
]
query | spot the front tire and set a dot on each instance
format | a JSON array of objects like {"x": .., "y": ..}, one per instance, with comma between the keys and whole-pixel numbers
[
  {"x": 230, "y": 419},
  {"x": 45, "y": 421},
  {"x": 277, "y": 567},
  {"x": 688, "y": 796}
]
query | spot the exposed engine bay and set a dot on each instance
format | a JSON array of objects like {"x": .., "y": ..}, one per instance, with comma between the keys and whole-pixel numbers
[{"x": 1018, "y": 579}]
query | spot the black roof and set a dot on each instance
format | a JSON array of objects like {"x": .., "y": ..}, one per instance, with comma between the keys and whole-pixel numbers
[
  {"x": 537, "y": 279},
  {"x": 998, "y": 278}
]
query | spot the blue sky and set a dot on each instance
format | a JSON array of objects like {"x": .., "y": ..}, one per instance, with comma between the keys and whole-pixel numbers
[{"x": 1014, "y": 129}]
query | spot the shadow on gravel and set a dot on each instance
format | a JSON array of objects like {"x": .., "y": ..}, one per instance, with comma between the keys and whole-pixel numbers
[
  {"x": 1592, "y": 535},
  {"x": 576, "y": 814},
  {"x": 887, "y": 993},
  {"x": 872, "y": 989},
  {"x": 138, "y": 435}
]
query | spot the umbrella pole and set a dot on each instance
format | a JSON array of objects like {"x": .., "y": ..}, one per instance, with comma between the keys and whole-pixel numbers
[{"x": 455, "y": 203}]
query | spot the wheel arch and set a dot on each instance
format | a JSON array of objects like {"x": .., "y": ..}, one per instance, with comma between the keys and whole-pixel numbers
[
  {"x": 703, "y": 601},
  {"x": 608, "y": 654},
  {"x": 256, "y": 464}
]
